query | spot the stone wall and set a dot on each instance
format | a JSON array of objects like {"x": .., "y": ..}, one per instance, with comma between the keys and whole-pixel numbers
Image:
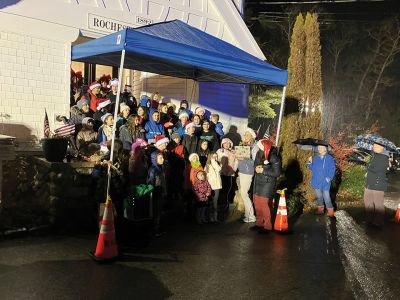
[{"x": 37, "y": 192}]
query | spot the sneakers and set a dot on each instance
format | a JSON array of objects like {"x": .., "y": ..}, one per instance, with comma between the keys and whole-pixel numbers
[{"x": 249, "y": 220}]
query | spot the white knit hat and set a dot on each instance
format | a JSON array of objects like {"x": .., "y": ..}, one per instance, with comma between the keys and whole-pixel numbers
[
  {"x": 123, "y": 106},
  {"x": 252, "y": 132},
  {"x": 105, "y": 116},
  {"x": 114, "y": 82},
  {"x": 193, "y": 155}
]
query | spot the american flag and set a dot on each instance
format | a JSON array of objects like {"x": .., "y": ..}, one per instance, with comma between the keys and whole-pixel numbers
[
  {"x": 66, "y": 130},
  {"x": 266, "y": 134},
  {"x": 46, "y": 127}
]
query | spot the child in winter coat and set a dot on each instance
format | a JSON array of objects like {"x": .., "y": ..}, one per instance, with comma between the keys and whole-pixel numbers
[
  {"x": 176, "y": 168},
  {"x": 202, "y": 191},
  {"x": 156, "y": 178},
  {"x": 86, "y": 135},
  {"x": 106, "y": 130},
  {"x": 213, "y": 171},
  {"x": 229, "y": 165},
  {"x": 138, "y": 168},
  {"x": 217, "y": 126},
  {"x": 203, "y": 151},
  {"x": 190, "y": 140},
  {"x": 195, "y": 166}
]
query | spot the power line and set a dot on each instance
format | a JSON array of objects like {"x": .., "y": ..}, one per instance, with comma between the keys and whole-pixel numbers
[{"x": 314, "y": 2}]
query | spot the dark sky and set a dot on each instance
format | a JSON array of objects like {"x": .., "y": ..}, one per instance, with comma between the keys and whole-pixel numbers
[{"x": 344, "y": 10}]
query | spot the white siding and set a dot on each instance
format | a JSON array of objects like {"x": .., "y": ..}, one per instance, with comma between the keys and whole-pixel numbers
[{"x": 33, "y": 77}]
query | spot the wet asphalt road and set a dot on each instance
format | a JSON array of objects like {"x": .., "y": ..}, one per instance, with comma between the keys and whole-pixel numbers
[{"x": 321, "y": 259}]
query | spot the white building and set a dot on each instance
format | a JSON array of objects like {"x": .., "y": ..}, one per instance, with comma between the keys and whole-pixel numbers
[{"x": 35, "y": 53}]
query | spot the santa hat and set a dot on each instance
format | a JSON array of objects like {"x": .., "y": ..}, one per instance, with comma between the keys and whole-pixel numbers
[
  {"x": 161, "y": 139},
  {"x": 94, "y": 85},
  {"x": 198, "y": 110},
  {"x": 103, "y": 104},
  {"x": 265, "y": 145},
  {"x": 123, "y": 106},
  {"x": 193, "y": 155},
  {"x": 114, "y": 82},
  {"x": 191, "y": 124},
  {"x": 252, "y": 132}
]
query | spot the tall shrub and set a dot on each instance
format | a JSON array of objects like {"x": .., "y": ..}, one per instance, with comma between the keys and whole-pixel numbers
[
  {"x": 294, "y": 90},
  {"x": 310, "y": 123}
]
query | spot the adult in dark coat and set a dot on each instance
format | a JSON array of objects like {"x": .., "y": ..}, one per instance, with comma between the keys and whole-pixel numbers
[
  {"x": 267, "y": 170},
  {"x": 375, "y": 187}
]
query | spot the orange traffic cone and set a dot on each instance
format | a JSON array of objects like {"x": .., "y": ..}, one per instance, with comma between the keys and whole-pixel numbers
[
  {"x": 397, "y": 216},
  {"x": 281, "y": 220},
  {"x": 106, "y": 249}
]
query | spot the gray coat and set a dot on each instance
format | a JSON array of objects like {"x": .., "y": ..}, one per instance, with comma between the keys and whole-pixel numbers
[{"x": 377, "y": 169}]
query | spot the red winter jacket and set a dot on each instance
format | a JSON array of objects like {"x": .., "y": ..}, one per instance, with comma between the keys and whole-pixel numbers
[{"x": 202, "y": 189}]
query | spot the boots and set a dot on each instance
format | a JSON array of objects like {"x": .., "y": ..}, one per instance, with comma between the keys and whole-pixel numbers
[
  {"x": 320, "y": 210},
  {"x": 331, "y": 213}
]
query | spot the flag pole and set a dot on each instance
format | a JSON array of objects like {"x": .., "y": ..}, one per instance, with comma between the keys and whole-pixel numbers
[
  {"x": 280, "y": 115},
  {"x": 115, "y": 119}
]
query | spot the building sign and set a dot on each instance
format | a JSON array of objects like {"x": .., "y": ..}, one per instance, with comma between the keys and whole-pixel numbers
[
  {"x": 143, "y": 21},
  {"x": 99, "y": 23}
]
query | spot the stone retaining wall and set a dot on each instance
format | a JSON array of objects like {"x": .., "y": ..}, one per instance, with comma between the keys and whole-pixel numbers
[{"x": 37, "y": 192}]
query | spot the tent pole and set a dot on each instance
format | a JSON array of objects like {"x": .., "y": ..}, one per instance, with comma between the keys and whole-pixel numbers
[
  {"x": 280, "y": 116},
  {"x": 121, "y": 67}
]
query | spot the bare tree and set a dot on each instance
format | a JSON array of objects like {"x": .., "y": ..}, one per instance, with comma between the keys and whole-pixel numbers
[{"x": 390, "y": 48}]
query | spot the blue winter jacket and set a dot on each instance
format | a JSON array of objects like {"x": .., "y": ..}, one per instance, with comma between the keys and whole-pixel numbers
[
  {"x": 323, "y": 171},
  {"x": 219, "y": 129},
  {"x": 152, "y": 128}
]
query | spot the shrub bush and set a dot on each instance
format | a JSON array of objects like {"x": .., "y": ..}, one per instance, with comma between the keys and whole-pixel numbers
[{"x": 352, "y": 185}]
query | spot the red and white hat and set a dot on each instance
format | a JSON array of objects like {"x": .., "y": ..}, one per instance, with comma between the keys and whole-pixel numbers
[
  {"x": 161, "y": 139},
  {"x": 94, "y": 85},
  {"x": 103, "y": 104},
  {"x": 265, "y": 145}
]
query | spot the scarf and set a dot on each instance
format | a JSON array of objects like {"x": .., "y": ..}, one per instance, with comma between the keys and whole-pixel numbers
[{"x": 196, "y": 164}]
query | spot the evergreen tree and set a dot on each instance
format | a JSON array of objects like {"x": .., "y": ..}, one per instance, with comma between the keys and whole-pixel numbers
[
  {"x": 296, "y": 64},
  {"x": 310, "y": 121},
  {"x": 294, "y": 91}
]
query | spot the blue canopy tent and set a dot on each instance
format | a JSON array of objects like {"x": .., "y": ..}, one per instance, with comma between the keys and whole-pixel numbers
[{"x": 177, "y": 49}]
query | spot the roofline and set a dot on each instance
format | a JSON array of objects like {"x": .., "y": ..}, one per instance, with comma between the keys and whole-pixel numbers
[{"x": 237, "y": 24}]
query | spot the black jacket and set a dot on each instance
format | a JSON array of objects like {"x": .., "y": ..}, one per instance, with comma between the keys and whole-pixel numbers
[
  {"x": 213, "y": 139},
  {"x": 264, "y": 183},
  {"x": 190, "y": 143},
  {"x": 376, "y": 176}
]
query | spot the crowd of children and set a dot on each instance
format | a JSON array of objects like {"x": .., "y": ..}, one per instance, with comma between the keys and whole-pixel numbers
[{"x": 183, "y": 154}]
